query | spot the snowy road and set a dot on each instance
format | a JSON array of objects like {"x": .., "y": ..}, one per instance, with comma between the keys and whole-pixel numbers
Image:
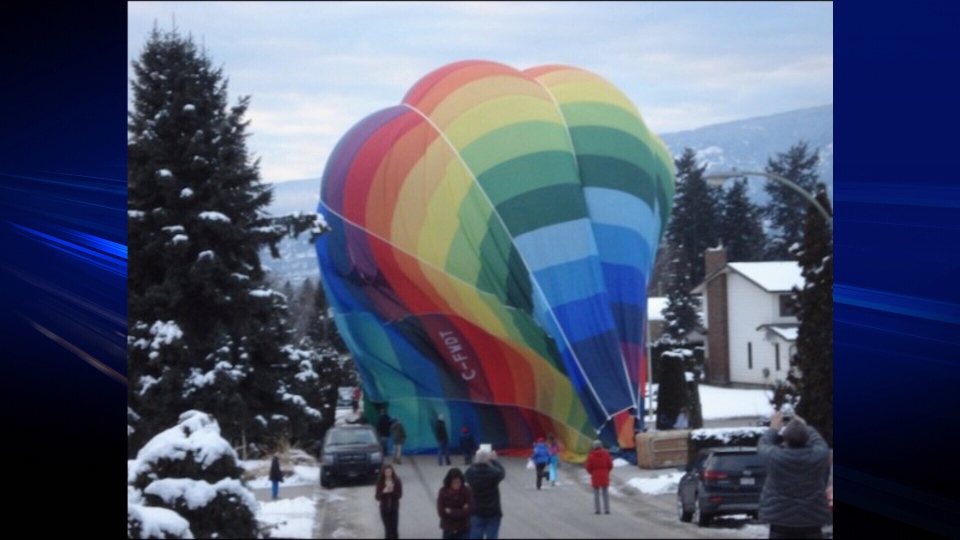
[{"x": 565, "y": 511}]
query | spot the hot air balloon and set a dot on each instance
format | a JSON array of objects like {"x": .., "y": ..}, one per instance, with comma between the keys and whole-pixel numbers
[{"x": 491, "y": 240}]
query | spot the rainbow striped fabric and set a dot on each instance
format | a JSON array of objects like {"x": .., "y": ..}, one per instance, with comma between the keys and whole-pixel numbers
[{"x": 491, "y": 242}]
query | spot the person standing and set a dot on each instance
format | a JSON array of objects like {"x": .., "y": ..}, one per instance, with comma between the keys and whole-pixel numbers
[
  {"x": 443, "y": 442},
  {"x": 399, "y": 434},
  {"x": 540, "y": 458},
  {"x": 599, "y": 464},
  {"x": 468, "y": 445},
  {"x": 389, "y": 490},
  {"x": 276, "y": 476},
  {"x": 484, "y": 479},
  {"x": 455, "y": 505},
  {"x": 355, "y": 400},
  {"x": 683, "y": 419},
  {"x": 554, "y": 448},
  {"x": 383, "y": 430},
  {"x": 797, "y": 461}
]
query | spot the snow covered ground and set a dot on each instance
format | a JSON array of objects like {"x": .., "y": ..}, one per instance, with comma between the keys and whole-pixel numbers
[
  {"x": 292, "y": 518},
  {"x": 720, "y": 403}
]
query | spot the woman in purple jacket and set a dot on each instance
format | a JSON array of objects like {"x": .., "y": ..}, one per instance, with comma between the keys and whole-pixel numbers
[
  {"x": 455, "y": 505},
  {"x": 388, "y": 492}
]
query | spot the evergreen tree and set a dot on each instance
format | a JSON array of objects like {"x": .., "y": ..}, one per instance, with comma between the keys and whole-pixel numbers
[
  {"x": 693, "y": 365},
  {"x": 740, "y": 226},
  {"x": 680, "y": 315},
  {"x": 671, "y": 393},
  {"x": 288, "y": 292},
  {"x": 660, "y": 274},
  {"x": 798, "y": 164},
  {"x": 185, "y": 460},
  {"x": 322, "y": 328},
  {"x": 330, "y": 359},
  {"x": 811, "y": 371},
  {"x": 694, "y": 224},
  {"x": 205, "y": 329},
  {"x": 303, "y": 310},
  {"x": 676, "y": 389}
]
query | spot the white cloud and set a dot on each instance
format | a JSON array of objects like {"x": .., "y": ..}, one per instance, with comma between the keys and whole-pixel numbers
[{"x": 314, "y": 69}]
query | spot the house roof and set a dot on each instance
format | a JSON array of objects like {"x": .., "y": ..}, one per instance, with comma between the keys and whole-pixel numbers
[
  {"x": 786, "y": 332},
  {"x": 771, "y": 276},
  {"x": 655, "y": 305}
]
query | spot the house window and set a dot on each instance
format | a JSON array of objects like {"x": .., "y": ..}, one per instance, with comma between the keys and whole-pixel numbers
[
  {"x": 776, "y": 353},
  {"x": 749, "y": 355},
  {"x": 786, "y": 306}
]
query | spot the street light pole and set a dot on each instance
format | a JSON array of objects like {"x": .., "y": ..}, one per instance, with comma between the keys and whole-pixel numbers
[
  {"x": 649, "y": 400},
  {"x": 717, "y": 179}
]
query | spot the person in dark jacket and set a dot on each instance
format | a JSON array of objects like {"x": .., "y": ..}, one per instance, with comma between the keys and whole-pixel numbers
[
  {"x": 443, "y": 441},
  {"x": 468, "y": 445},
  {"x": 388, "y": 491},
  {"x": 599, "y": 464},
  {"x": 455, "y": 505},
  {"x": 276, "y": 476},
  {"x": 383, "y": 430},
  {"x": 484, "y": 479},
  {"x": 399, "y": 434},
  {"x": 793, "y": 499}
]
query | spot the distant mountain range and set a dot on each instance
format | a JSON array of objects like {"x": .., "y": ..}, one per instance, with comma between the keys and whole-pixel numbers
[
  {"x": 748, "y": 144},
  {"x": 742, "y": 144}
]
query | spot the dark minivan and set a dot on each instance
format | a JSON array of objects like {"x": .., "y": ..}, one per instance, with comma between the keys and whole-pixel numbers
[
  {"x": 721, "y": 481},
  {"x": 350, "y": 452}
]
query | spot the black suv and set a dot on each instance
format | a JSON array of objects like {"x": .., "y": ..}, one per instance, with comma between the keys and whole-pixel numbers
[
  {"x": 350, "y": 452},
  {"x": 721, "y": 481}
]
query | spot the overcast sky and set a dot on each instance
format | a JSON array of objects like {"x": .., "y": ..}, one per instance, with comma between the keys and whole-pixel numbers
[{"x": 313, "y": 70}]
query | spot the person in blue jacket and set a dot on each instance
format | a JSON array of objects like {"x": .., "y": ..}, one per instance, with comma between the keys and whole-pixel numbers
[
  {"x": 540, "y": 458},
  {"x": 276, "y": 476},
  {"x": 468, "y": 445}
]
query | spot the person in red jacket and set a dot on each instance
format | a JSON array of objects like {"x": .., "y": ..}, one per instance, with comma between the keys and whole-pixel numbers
[
  {"x": 599, "y": 464},
  {"x": 389, "y": 491}
]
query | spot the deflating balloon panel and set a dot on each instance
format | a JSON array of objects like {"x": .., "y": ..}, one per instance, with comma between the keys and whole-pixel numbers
[{"x": 491, "y": 242}]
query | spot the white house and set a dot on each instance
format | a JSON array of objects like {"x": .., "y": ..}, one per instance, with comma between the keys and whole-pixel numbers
[
  {"x": 655, "y": 306},
  {"x": 752, "y": 329}
]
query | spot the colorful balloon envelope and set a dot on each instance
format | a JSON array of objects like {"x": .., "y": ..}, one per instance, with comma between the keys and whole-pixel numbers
[{"x": 491, "y": 242}]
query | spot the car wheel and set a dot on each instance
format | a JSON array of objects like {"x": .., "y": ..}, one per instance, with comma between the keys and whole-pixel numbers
[
  {"x": 702, "y": 519},
  {"x": 682, "y": 512},
  {"x": 326, "y": 482}
]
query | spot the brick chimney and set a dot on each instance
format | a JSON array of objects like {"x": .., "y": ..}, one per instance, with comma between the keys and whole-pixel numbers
[
  {"x": 714, "y": 259},
  {"x": 718, "y": 327}
]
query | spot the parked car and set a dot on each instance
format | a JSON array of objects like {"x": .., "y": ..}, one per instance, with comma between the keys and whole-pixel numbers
[
  {"x": 720, "y": 481},
  {"x": 350, "y": 452}
]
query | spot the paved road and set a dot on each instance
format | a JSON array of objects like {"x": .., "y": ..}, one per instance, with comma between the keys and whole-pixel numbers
[{"x": 565, "y": 511}]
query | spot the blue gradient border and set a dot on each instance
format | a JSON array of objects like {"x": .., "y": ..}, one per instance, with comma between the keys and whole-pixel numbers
[
  {"x": 897, "y": 233},
  {"x": 63, "y": 265},
  {"x": 897, "y": 264}
]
